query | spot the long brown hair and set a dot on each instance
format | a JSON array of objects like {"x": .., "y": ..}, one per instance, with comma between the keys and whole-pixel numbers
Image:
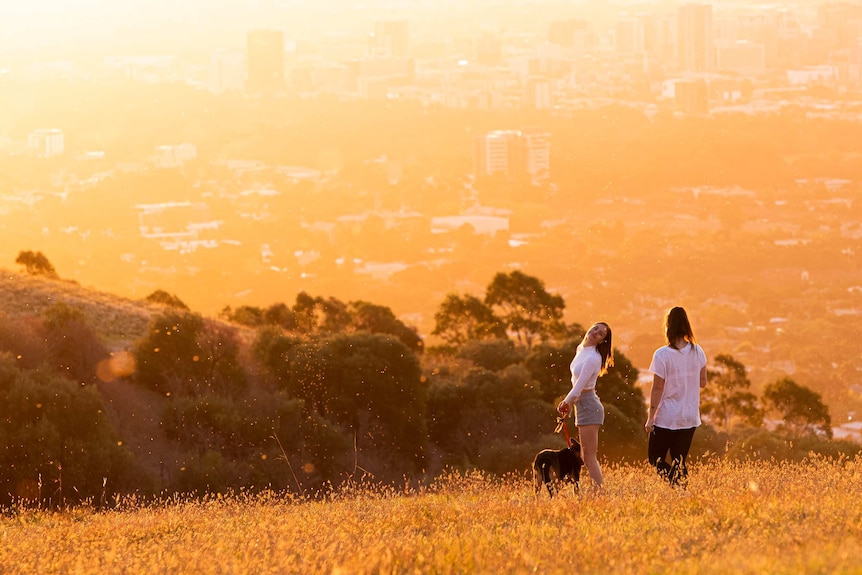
[
  {"x": 677, "y": 326},
  {"x": 605, "y": 349}
]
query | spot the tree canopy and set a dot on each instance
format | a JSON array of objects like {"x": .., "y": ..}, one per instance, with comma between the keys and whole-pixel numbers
[
  {"x": 36, "y": 263},
  {"x": 726, "y": 398},
  {"x": 801, "y": 409},
  {"x": 527, "y": 309}
]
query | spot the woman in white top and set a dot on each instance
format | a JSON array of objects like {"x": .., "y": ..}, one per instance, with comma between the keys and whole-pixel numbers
[
  {"x": 593, "y": 358},
  {"x": 679, "y": 373}
]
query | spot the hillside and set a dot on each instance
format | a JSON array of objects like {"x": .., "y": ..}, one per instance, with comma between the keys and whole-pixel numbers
[
  {"x": 135, "y": 413},
  {"x": 120, "y": 321}
]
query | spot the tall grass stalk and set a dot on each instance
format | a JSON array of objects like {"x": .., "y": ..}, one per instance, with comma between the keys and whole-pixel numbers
[{"x": 754, "y": 517}]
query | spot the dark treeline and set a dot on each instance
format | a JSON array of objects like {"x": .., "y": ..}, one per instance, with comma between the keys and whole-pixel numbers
[{"x": 306, "y": 395}]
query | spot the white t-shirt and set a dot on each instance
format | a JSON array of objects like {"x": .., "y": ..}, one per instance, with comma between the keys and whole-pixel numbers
[
  {"x": 679, "y": 407},
  {"x": 585, "y": 368}
]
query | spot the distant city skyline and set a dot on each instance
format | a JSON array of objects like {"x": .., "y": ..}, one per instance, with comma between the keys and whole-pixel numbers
[{"x": 62, "y": 28}]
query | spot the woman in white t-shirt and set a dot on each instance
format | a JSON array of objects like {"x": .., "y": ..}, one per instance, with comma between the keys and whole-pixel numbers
[
  {"x": 679, "y": 373},
  {"x": 593, "y": 358}
]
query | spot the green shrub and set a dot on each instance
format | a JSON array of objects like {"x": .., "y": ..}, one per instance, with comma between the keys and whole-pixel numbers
[{"x": 55, "y": 431}]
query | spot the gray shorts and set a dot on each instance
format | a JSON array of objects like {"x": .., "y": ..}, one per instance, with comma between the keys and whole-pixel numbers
[{"x": 589, "y": 410}]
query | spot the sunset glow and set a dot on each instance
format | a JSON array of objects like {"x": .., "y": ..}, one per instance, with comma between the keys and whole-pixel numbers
[{"x": 217, "y": 212}]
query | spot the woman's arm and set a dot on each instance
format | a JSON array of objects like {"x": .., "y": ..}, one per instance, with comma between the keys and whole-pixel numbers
[
  {"x": 703, "y": 377},
  {"x": 654, "y": 399}
]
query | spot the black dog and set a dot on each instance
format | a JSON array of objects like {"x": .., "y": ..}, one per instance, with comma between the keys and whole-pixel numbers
[{"x": 553, "y": 465}]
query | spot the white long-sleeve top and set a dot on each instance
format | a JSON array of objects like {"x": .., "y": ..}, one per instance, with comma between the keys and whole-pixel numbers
[{"x": 585, "y": 368}]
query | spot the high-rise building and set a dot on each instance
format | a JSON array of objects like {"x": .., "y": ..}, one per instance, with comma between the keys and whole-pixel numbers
[
  {"x": 391, "y": 38},
  {"x": 538, "y": 93},
  {"x": 695, "y": 48},
  {"x": 537, "y": 154},
  {"x": 513, "y": 153},
  {"x": 658, "y": 36},
  {"x": 47, "y": 142},
  {"x": 629, "y": 36},
  {"x": 573, "y": 35},
  {"x": 265, "y": 61},
  {"x": 227, "y": 71}
]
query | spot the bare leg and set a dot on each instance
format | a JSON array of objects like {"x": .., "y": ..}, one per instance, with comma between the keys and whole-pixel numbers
[{"x": 589, "y": 452}]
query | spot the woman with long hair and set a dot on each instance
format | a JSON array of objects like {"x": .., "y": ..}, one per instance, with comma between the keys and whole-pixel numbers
[
  {"x": 592, "y": 359},
  {"x": 679, "y": 373}
]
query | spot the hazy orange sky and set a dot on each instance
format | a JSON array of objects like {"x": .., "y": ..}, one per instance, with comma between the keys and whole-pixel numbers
[{"x": 69, "y": 25}]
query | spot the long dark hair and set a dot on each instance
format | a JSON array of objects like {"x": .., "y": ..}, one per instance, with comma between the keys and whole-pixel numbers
[
  {"x": 677, "y": 326},
  {"x": 605, "y": 349}
]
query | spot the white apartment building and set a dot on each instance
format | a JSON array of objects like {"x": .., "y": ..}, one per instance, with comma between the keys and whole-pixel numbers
[
  {"x": 514, "y": 153},
  {"x": 46, "y": 142}
]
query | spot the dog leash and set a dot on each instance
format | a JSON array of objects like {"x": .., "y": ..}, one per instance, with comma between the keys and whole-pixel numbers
[{"x": 561, "y": 424}]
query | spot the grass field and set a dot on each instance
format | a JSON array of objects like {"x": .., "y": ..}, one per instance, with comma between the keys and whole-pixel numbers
[{"x": 759, "y": 517}]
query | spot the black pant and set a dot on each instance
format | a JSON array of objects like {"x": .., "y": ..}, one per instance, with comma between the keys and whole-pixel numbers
[{"x": 675, "y": 441}]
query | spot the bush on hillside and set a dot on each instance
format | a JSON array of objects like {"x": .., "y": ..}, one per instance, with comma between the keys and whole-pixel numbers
[
  {"x": 23, "y": 339},
  {"x": 184, "y": 353},
  {"x": 74, "y": 347},
  {"x": 58, "y": 446},
  {"x": 370, "y": 385}
]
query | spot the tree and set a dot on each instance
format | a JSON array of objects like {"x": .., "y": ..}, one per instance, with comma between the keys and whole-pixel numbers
[
  {"x": 526, "y": 308},
  {"x": 380, "y": 319},
  {"x": 183, "y": 353},
  {"x": 336, "y": 315},
  {"x": 281, "y": 315},
  {"x": 464, "y": 318},
  {"x": 56, "y": 430},
  {"x": 618, "y": 388},
  {"x": 74, "y": 349},
  {"x": 725, "y": 399},
  {"x": 320, "y": 315},
  {"x": 493, "y": 355},
  {"x": 220, "y": 368},
  {"x": 36, "y": 263},
  {"x": 249, "y": 315},
  {"x": 549, "y": 366},
  {"x": 369, "y": 384},
  {"x": 305, "y": 313},
  {"x": 483, "y": 407},
  {"x": 801, "y": 408},
  {"x": 166, "y": 298}
]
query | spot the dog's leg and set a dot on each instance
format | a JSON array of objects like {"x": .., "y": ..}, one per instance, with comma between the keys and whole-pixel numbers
[
  {"x": 537, "y": 479},
  {"x": 547, "y": 479}
]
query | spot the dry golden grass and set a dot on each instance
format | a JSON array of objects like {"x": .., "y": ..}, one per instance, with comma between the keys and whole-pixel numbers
[
  {"x": 118, "y": 320},
  {"x": 734, "y": 518}
]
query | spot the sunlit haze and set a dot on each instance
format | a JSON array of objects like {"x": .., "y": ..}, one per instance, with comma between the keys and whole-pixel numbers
[{"x": 631, "y": 155}]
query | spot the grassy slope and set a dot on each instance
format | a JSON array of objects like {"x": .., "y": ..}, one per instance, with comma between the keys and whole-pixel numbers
[
  {"x": 118, "y": 320},
  {"x": 760, "y": 517},
  {"x": 134, "y": 412}
]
